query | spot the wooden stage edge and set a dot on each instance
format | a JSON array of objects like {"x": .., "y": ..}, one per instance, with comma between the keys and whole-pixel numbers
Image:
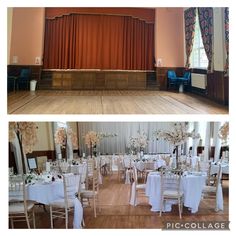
[{"x": 96, "y": 79}]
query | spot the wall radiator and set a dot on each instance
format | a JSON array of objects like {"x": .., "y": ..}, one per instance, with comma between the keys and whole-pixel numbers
[{"x": 199, "y": 81}]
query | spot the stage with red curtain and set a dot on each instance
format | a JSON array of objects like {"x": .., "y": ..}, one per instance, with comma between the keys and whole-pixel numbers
[
  {"x": 107, "y": 39},
  {"x": 98, "y": 41}
]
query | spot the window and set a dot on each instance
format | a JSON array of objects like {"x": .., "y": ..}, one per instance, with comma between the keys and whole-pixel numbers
[{"x": 198, "y": 56}]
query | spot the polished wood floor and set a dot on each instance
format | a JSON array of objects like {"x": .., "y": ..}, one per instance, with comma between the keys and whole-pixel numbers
[
  {"x": 117, "y": 213},
  {"x": 110, "y": 102}
]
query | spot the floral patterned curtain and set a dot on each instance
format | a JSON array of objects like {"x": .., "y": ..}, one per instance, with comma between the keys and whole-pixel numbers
[
  {"x": 206, "y": 26},
  {"x": 190, "y": 20},
  {"x": 227, "y": 38}
]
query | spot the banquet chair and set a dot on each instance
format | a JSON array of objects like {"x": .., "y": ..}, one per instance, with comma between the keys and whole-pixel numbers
[
  {"x": 91, "y": 165},
  {"x": 109, "y": 166},
  {"x": 82, "y": 171},
  {"x": 60, "y": 208},
  {"x": 86, "y": 195},
  {"x": 23, "y": 80},
  {"x": 149, "y": 167},
  {"x": 170, "y": 189},
  {"x": 211, "y": 191},
  {"x": 205, "y": 166},
  {"x": 127, "y": 162},
  {"x": 20, "y": 209},
  {"x": 138, "y": 188},
  {"x": 64, "y": 167},
  {"x": 121, "y": 169}
]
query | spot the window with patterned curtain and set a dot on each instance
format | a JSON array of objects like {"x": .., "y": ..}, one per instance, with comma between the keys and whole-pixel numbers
[
  {"x": 198, "y": 57},
  {"x": 206, "y": 26}
]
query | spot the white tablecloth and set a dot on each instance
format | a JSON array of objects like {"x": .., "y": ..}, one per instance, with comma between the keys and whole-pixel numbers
[
  {"x": 215, "y": 168},
  {"x": 49, "y": 192},
  {"x": 192, "y": 186}
]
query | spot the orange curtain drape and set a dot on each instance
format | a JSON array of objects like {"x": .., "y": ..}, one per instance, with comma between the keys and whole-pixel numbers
[{"x": 80, "y": 41}]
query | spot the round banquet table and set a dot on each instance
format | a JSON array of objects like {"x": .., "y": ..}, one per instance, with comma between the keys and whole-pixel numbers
[
  {"x": 191, "y": 185},
  {"x": 48, "y": 192},
  {"x": 215, "y": 168}
]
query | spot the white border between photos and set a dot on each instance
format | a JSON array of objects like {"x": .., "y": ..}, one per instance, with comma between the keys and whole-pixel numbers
[{"x": 4, "y": 118}]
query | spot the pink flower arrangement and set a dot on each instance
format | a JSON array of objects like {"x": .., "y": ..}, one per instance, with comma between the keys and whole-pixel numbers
[
  {"x": 27, "y": 132},
  {"x": 224, "y": 133},
  {"x": 91, "y": 139},
  {"x": 177, "y": 135},
  {"x": 139, "y": 142},
  {"x": 62, "y": 135}
]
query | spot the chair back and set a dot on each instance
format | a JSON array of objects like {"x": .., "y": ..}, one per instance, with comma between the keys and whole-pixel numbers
[
  {"x": 127, "y": 162},
  {"x": 25, "y": 73},
  {"x": 95, "y": 183},
  {"x": 64, "y": 167},
  {"x": 135, "y": 175},
  {"x": 120, "y": 164},
  {"x": 17, "y": 188},
  {"x": 187, "y": 75},
  {"x": 90, "y": 166},
  {"x": 205, "y": 166},
  {"x": 71, "y": 185},
  {"x": 171, "y": 74},
  {"x": 150, "y": 165},
  {"x": 170, "y": 180}
]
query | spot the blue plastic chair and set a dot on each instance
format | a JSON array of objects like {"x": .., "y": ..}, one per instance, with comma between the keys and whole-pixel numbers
[
  {"x": 185, "y": 79},
  {"x": 24, "y": 78},
  {"x": 171, "y": 78}
]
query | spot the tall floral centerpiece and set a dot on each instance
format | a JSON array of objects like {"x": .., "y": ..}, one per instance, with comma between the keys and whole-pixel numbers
[
  {"x": 92, "y": 139},
  {"x": 26, "y": 133},
  {"x": 177, "y": 136},
  {"x": 62, "y": 136},
  {"x": 138, "y": 143},
  {"x": 224, "y": 133}
]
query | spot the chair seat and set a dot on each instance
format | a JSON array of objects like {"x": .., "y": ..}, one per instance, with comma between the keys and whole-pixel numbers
[
  {"x": 60, "y": 203},
  {"x": 172, "y": 193},
  {"x": 209, "y": 189},
  {"x": 18, "y": 207},
  {"x": 88, "y": 193},
  {"x": 140, "y": 186}
]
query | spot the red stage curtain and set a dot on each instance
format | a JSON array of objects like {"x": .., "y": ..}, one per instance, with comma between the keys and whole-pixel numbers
[{"x": 81, "y": 41}]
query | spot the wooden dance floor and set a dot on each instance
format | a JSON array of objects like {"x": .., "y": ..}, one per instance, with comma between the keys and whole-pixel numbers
[{"x": 110, "y": 102}]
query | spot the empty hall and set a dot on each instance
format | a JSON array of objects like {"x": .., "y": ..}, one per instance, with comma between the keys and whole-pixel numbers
[{"x": 118, "y": 60}]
